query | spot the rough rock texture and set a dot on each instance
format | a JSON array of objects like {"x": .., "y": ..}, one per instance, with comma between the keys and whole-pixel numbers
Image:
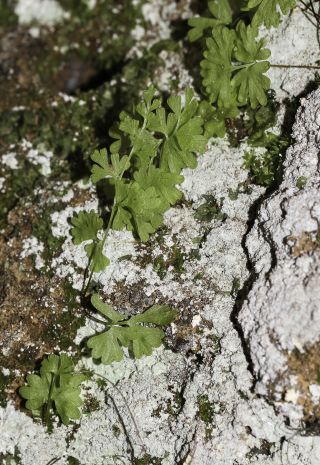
[
  {"x": 195, "y": 400},
  {"x": 291, "y": 48},
  {"x": 281, "y": 317}
]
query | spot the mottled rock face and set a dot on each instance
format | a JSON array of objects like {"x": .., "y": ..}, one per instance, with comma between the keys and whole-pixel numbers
[{"x": 281, "y": 317}]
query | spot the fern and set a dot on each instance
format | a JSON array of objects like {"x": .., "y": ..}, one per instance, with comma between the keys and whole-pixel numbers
[
  {"x": 233, "y": 67},
  {"x": 131, "y": 332},
  {"x": 267, "y": 11},
  {"x": 152, "y": 146},
  {"x": 57, "y": 385},
  {"x": 235, "y": 58}
]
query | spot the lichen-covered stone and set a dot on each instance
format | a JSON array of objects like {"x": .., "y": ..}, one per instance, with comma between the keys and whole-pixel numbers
[{"x": 281, "y": 317}]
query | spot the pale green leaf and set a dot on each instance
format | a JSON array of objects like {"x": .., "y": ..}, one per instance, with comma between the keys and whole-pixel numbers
[
  {"x": 98, "y": 261},
  {"x": 216, "y": 68},
  {"x": 36, "y": 392},
  {"x": 267, "y": 11},
  {"x": 56, "y": 376},
  {"x": 164, "y": 182},
  {"x": 103, "y": 168},
  {"x": 129, "y": 332},
  {"x": 161, "y": 315},
  {"x": 85, "y": 226},
  {"x": 251, "y": 84},
  {"x": 105, "y": 309},
  {"x": 105, "y": 346}
]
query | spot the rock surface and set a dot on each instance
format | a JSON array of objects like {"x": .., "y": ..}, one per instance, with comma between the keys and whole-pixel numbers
[{"x": 282, "y": 315}]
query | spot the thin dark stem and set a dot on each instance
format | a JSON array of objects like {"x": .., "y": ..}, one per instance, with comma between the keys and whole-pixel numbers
[
  {"x": 128, "y": 408},
  {"x": 294, "y": 66},
  {"x": 93, "y": 318},
  {"x": 49, "y": 403},
  {"x": 84, "y": 288},
  {"x": 52, "y": 461}
]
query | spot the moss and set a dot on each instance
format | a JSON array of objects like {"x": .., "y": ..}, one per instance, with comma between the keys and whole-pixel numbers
[
  {"x": 7, "y": 16},
  {"x": 19, "y": 184},
  {"x": 210, "y": 209},
  {"x": 242, "y": 188},
  {"x": 69, "y": 321},
  {"x": 116, "y": 430},
  {"x": 266, "y": 168},
  {"x": 4, "y": 381},
  {"x": 174, "y": 405},
  {"x": 216, "y": 344},
  {"x": 205, "y": 409},
  {"x": 147, "y": 460},
  {"x": 206, "y": 414},
  {"x": 91, "y": 404},
  {"x": 301, "y": 182},
  {"x": 41, "y": 229}
]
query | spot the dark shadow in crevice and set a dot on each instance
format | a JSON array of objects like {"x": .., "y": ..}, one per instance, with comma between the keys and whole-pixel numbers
[{"x": 102, "y": 76}]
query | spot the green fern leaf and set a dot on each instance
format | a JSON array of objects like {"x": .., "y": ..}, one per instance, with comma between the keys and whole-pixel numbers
[
  {"x": 164, "y": 183},
  {"x": 222, "y": 15},
  {"x": 216, "y": 68},
  {"x": 267, "y": 12},
  {"x": 103, "y": 169},
  {"x": 122, "y": 331},
  {"x": 85, "y": 226},
  {"x": 57, "y": 378}
]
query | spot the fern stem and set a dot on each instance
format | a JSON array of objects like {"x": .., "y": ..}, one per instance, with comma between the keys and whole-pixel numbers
[
  {"x": 294, "y": 66},
  {"x": 128, "y": 408},
  {"x": 114, "y": 208},
  {"x": 49, "y": 403}
]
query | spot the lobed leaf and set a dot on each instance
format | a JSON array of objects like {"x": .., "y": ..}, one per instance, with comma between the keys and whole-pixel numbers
[
  {"x": 129, "y": 332},
  {"x": 56, "y": 376},
  {"x": 105, "y": 309},
  {"x": 103, "y": 169},
  {"x": 222, "y": 15},
  {"x": 161, "y": 315},
  {"x": 251, "y": 84},
  {"x": 85, "y": 226},
  {"x": 216, "y": 68},
  {"x": 98, "y": 261},
  {"x": 267, "y": 11}
]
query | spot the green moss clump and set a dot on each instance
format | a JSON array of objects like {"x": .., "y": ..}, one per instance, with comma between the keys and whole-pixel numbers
[
  {"x": 175, "y": 404},
  {"x": 205, "y": 408},
  {"x": 19, "y": 184},
  {"x": 266, "y": 168},
  {"x": 147, "y": 460},
  {"x": 210, "y": 209},
  {"x": 206, "y": 414},
  {"x": 301, "y": 182},
  {"x": 4, "y": 380},
  {"x": 7, "y": 16}
]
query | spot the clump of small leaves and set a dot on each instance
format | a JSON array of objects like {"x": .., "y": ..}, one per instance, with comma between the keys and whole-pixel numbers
[
  {"x": 209, "y": 210},
  {"x": 56, "y": 387},
  {"x": 301, "y": 182},
  {"x": 140, "y": 333},
  {"x": 265, "y": 168},
  {"x": 206, "y": 410}
]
